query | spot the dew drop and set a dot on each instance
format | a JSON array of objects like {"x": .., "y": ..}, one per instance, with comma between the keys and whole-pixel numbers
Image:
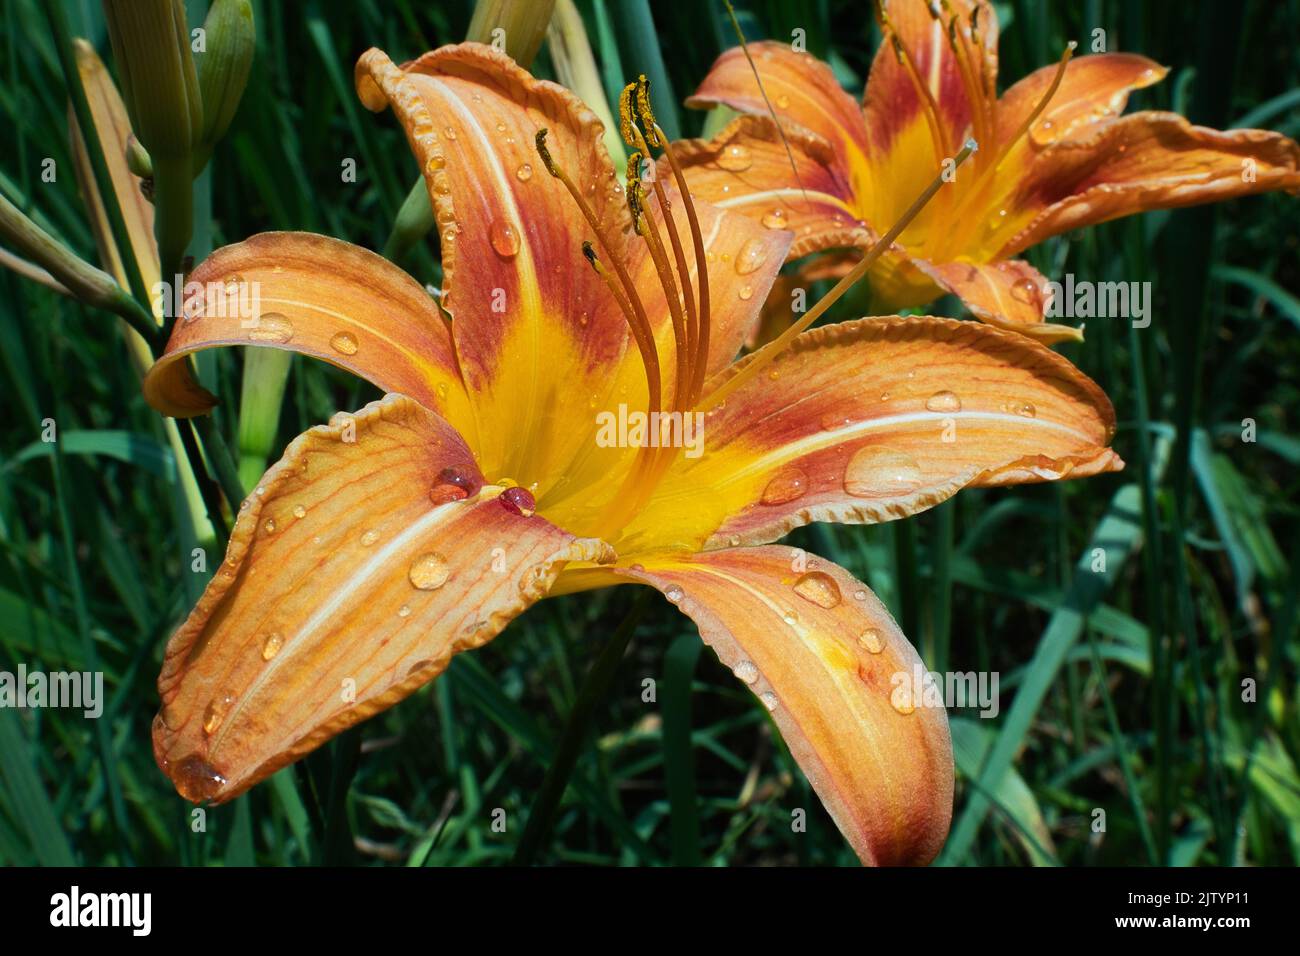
[
  {"x": 196, "y": 779},
  {"x": 871, "y": 641},
  {"x": 429, "y": 571},
  {"x": 902, "y": 701},
  {"x": 751, "y": 255},
  {"x": 299, "y": 511},
  {"x": 944, "y": 401},
  {"x": 271, "y": 327},
  {"x": 819, "y": 588},
  {"x": 790, "y": 618},
  {"x": 774, "y": 219},
  {"x": 518, "y": 501},
  {"x": 215, "y": 713},
  {"x": 746, "y": 293},
  {"x": 369, "y": 538},
  {"x": 271, "y": 646},
  {"x": 524, "y": 173},
  {"x": 1023, "y": 409},
  {"x": 735, "y": 159},
  {"x": 504, "y": 238},
  {"x": 769, "y": 699},
  {"x": 269, "y": 526},
  {"x": 788, "y": 485},
  {"x": 674, "y": 594},
  {"x": 880, "y": 472},
  {"x": 449, "y": 132},
  {"x": 404, "y": 611},
  {"x": 1026, "y": 291},
  {"x": 746, "y": 671},
  {"x": 782, "y": 102}
]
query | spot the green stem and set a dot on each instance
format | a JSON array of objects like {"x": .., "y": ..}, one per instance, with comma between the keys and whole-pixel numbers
[
  {"x": 594, "y": 689},
  {"x": 221, "y": 460}
]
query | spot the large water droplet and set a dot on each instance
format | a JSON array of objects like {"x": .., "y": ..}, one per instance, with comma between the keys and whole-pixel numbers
[
  {"x": 746, "y": 671},
  {"x": 504, "y": 238},
  {"x": 875, "y": 472},
  {"x": 751, "y": 255},
  {"x": 344, "y": 343},
  {"x": 1026, "y": 291},
  {"x": 519, "y": 501},
  {"x": 774, "y": 219},
  {"x": 819, "y": 588},
  {"x": 787, "y": 485},
  {"x": 944, "y": 401},
  {"x": 197, "y": 780},
  {"x": 871, "y": 641},
  {"x": 674, "y": 594},
  {"x": 735, "y": 158},
  {"x": 271, "y": 646},
  {"x": 271, "y": 327},
  {"x": 429, "y": 571}
]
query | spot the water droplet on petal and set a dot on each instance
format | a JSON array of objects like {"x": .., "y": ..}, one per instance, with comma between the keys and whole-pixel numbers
[
  {"x": 504, "y": 238},
  {"x": 1023, "y": 409},
  {"x": 299, "y": 511},
  {"x": 746, "y": 671},
  {"x": 769, "y": 699},
  {"x": 751, "y": 255},
  {"x": 774, "y": 219},
  {"x": 782, "y": 102},
  {"x": 735, "y": 159},
  {"x": 902, "y": 701},
  {"x": 787, "y": 485},
  {"x": 404, "y": 611},
  {"x": 369, "y": 538},
  {"x": 344, "y": 343},
  {"x": 524, "y": 173},
  {"x": 871, "y": 641},
  {"x": 746, "y": 293},
  {"x": 271, "y": 327},
  {"x": 429, "y": 571},
  {"x": 674, "y": 594},
  {"x": 518, "y": 501},
  {"x": 819, "y": 588},
  {"x": 790, "y": 618},
  {"x": 1026, "y": 291},
  {"x": 271, "y": 646},
  {"x": 880, "y": 472},
  {"x": 944, "y": 401},
  {"x": 196, "y": 779},
  {"x": 215, "y": 713},
  {"x": 269, "y": 526}
]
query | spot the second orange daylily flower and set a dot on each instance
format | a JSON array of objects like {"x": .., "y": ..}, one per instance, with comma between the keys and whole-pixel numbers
[
  {"x": 388, "y": 541},
  {"x": 1055, "y": 155}
]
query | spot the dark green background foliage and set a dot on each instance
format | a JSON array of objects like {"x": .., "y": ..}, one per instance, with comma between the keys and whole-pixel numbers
[{"x": 1120, "y": 691}]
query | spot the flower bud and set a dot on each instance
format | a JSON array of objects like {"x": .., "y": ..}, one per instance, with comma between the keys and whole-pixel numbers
[
  {"x": 223, "y": 69},
  {"x": 151, "y": 47}
]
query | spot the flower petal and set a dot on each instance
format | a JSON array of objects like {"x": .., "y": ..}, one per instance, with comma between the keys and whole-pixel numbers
[
  {"x": 824, "y": 655},
  {"x": 536, "y": 331},
  {"x": 1007, "y": 294},
  {"x": 319, "y": 296},
  {"x": 746, "y": 169},
  {"x": 1145, "y": 161},
  {"x": 876, "y": 419},
  {"x": 1094, "y": 90},
  {"x": 802, "y": 90},
  {"x": 113, "y": 127},
  {"x": 345, "y": 588}
]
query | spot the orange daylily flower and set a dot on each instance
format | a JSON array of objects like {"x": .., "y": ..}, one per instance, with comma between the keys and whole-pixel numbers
[
  {"x": 1055, "y": 155},
  {"x": 391, "y": 539}
]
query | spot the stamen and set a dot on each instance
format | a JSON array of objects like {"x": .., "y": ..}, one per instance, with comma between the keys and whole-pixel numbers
[
  {"x": 645, "y": 115},
  {"x": 634, "y": 311},
  {"x": 1042, "y": 103},
  {"x": 625, "y": 114},
  {"x": 762, "y": 358},
  {"x": 973, "y": 88},
  {"x": 645, "y": 344}
]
